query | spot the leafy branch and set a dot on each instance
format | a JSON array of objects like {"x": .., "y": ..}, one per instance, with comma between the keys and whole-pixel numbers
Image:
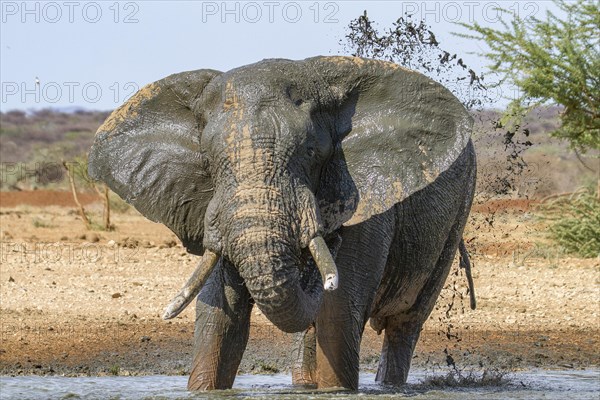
[{"x": 551, "y": 61}]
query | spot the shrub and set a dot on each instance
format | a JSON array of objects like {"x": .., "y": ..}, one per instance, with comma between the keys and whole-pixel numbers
[
  {"x": 575, "y": 221},
  {"x": 117, "y": 204},
  {"x": 114, "y": 370}
]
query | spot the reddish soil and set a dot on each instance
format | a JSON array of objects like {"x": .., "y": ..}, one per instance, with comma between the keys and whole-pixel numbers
[
  {"x": 44, "y": 198},
  {"x": 492, "y": 206}
]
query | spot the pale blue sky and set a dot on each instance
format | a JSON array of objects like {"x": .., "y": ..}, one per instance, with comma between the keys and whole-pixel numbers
[{"x": 86, "y": 55}]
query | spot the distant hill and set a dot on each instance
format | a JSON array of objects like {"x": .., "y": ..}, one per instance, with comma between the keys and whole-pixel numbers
[
  {"x": 47, "y": 135},
  {"x": 33, "y": 145},
  {"x": 533, "y": 164},
  {"x": 32, "y": 141}
]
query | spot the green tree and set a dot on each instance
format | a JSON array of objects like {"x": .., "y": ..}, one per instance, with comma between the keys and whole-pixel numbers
[{"x": 551, "y": 61}]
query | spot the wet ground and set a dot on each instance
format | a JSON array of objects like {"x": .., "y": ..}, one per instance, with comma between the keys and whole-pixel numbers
[{"x": 573, "y": 385}]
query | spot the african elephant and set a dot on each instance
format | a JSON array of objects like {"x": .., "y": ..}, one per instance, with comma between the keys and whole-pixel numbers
[{"x": 325, "y": 191}]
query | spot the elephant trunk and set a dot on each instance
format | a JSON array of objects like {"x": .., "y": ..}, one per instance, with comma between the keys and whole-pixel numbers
[
  {"x": 264, "y": 247},
  {"x": 264, "y": 241}
]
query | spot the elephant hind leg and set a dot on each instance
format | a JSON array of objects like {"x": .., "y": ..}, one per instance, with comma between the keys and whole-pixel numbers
[
  {"x": 401, "y": 336},
  {"x": 304, "y": 370},
  {"x": 222, "y": 328},
  {"x": 402, "y": 330}
]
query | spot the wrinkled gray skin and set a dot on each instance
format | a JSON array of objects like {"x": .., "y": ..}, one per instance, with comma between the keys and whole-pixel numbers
[{"x": 253, "y": 163}]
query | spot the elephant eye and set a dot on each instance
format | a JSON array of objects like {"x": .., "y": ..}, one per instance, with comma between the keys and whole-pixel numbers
[
  {"x": 294, "y": 95},
  {"x": 311, "y": 152}
]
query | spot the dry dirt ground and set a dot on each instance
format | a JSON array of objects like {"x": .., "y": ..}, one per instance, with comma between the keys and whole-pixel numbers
[{"x": 89, "y": 302}]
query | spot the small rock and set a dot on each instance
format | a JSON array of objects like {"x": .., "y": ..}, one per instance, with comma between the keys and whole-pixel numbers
[
  {"x": 116, "y": 295},
  {"x": 93, "y": 238},
  {"x": 63, "y": 238},
  {"x": 111, "y": 243},
  {"x": 11, "y": 279},
  {"x": 129, "y": 243},
  {"x": 144, "y": 339},
  {"x": 82, "y": 237},
  {"x": 170, "y": 243}
]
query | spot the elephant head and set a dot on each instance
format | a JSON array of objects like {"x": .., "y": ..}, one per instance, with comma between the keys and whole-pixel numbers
[{"x": 259, "y": 164}]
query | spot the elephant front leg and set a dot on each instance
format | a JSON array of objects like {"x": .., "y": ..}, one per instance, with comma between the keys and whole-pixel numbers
[
  {"x": 344, "y": 311},
  {"x": 338, "y": 348},
  {"x": 305, "y": 365},
  {"x": 222, "y": 327}
]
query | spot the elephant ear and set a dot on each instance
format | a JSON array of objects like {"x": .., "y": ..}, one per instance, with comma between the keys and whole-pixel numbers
[
  {"x": 148, "y": 152},
  {"x": 395, "y": 132}
]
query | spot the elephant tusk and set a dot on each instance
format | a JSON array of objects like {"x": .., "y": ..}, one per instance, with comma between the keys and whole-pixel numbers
[
  {"x": 193, "y": 285},
  {"x": 320, "y": 252}
]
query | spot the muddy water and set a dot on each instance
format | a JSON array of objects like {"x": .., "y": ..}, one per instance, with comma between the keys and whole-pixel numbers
[{"x": 521, "y": 385}]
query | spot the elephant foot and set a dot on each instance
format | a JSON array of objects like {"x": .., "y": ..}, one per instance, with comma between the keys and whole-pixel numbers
[
  {"x": 396, "y": 354},
  {"x": 304, "y": 369}
]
